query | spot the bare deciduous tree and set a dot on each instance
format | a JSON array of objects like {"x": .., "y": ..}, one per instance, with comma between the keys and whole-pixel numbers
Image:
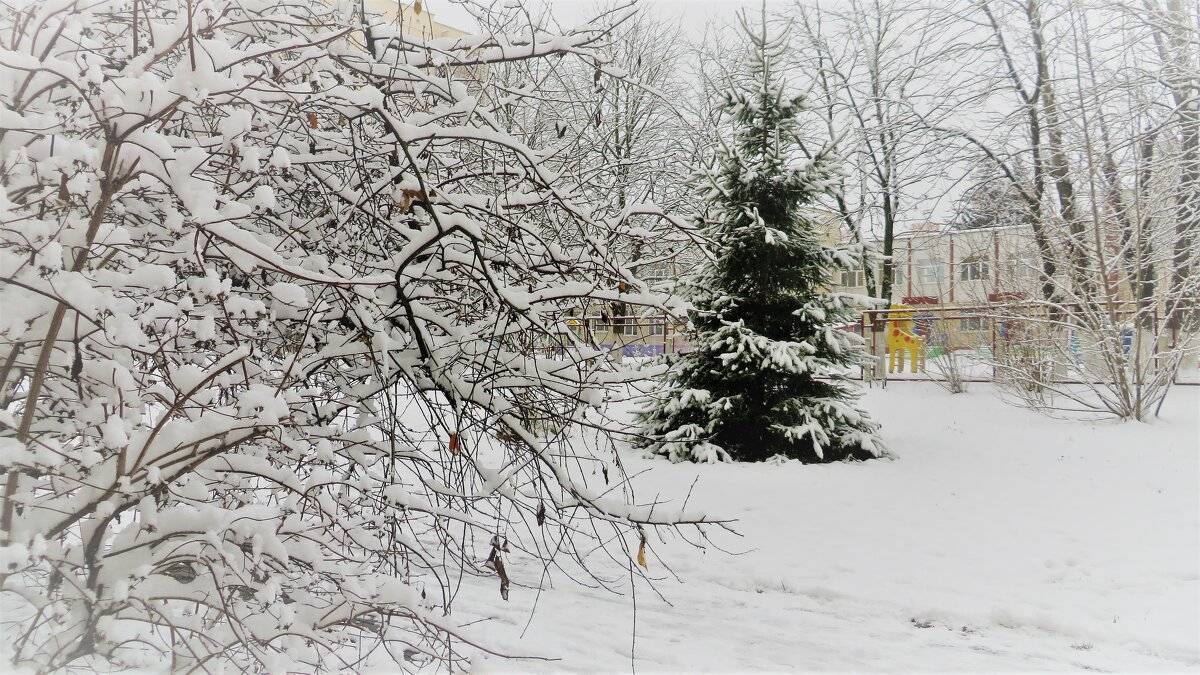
[
  {"x": 872, "y": 64},
  {"x": 1106, "y": 138}
]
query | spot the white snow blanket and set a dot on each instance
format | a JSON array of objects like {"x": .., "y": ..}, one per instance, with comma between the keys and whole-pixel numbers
[{"x": 997, "y": 540}]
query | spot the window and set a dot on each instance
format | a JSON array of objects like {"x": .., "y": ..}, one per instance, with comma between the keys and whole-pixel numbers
[
  {"x": 973, "y": 269},
  {"x": 1025, "y": 268},
  {"x": 852, "y": 278},
  {"x": 930, "y": 272},
  {"x": 898, "y": 276},
  {"x": 625, "y": 325},
  {"x": 972, "y": 324},
  {"x": 652, "y": 273}
]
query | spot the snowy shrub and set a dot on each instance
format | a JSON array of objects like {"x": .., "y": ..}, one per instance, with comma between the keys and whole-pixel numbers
[
  {"x": 278, "y": 293},
  {"x": 1074, "y": 360},
  {"x": 949, "y": 367}
]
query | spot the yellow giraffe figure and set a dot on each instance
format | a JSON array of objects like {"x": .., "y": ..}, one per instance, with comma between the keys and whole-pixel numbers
[{"x": 902, "y": 337}]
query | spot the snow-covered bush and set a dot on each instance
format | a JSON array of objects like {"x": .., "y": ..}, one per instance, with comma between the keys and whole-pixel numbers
[
  {"x": 274, "y": 281},
  {"x": 950, "y": 367},
  {"x": 1073, "y": 359}
]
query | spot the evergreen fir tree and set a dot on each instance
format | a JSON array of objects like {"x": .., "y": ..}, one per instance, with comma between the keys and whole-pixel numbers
[{"x": 768, "y": 374}]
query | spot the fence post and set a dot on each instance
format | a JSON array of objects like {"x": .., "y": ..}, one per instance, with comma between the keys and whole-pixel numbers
[
  {"x": 862, "y": 333},
  {"x": 994, "y": 355}
]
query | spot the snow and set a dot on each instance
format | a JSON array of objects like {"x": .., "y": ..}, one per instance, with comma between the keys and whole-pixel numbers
[
  {"x": 997, "y": 539},
  {"x": 289, "y": 294}
]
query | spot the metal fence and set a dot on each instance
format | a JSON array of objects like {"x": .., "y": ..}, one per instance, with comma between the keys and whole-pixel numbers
[
  {"x": 633, "y": 335},
  {"x": 978, "y": 342},
  {"x": 975, "y": 340}
]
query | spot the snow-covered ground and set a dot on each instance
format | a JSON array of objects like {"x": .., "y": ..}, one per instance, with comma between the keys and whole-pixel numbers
[{"x": 997, "y": 540}]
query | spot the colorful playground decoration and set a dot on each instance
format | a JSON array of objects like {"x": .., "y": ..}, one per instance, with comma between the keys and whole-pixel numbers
[{"x": 902, "y": 338}]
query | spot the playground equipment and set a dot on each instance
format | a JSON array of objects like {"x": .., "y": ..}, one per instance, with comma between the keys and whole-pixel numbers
[
  {"x": 1010, "y": 336},
  {"x": 902, "y": 338}
]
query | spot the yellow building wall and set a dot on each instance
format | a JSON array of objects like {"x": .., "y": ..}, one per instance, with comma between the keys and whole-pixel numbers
[{"x": 417, "y": 24}]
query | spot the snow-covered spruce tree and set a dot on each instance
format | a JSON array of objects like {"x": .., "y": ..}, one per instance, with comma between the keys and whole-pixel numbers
[
  {"x": 283, "y": 347},
  {"x": 767, "y": 375}
]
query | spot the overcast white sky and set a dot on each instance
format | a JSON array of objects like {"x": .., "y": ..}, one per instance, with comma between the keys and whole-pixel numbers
[{"x": 692, "y": 14}]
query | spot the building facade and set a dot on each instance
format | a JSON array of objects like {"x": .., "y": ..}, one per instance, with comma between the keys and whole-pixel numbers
[{"x": 935, "y": 267}]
